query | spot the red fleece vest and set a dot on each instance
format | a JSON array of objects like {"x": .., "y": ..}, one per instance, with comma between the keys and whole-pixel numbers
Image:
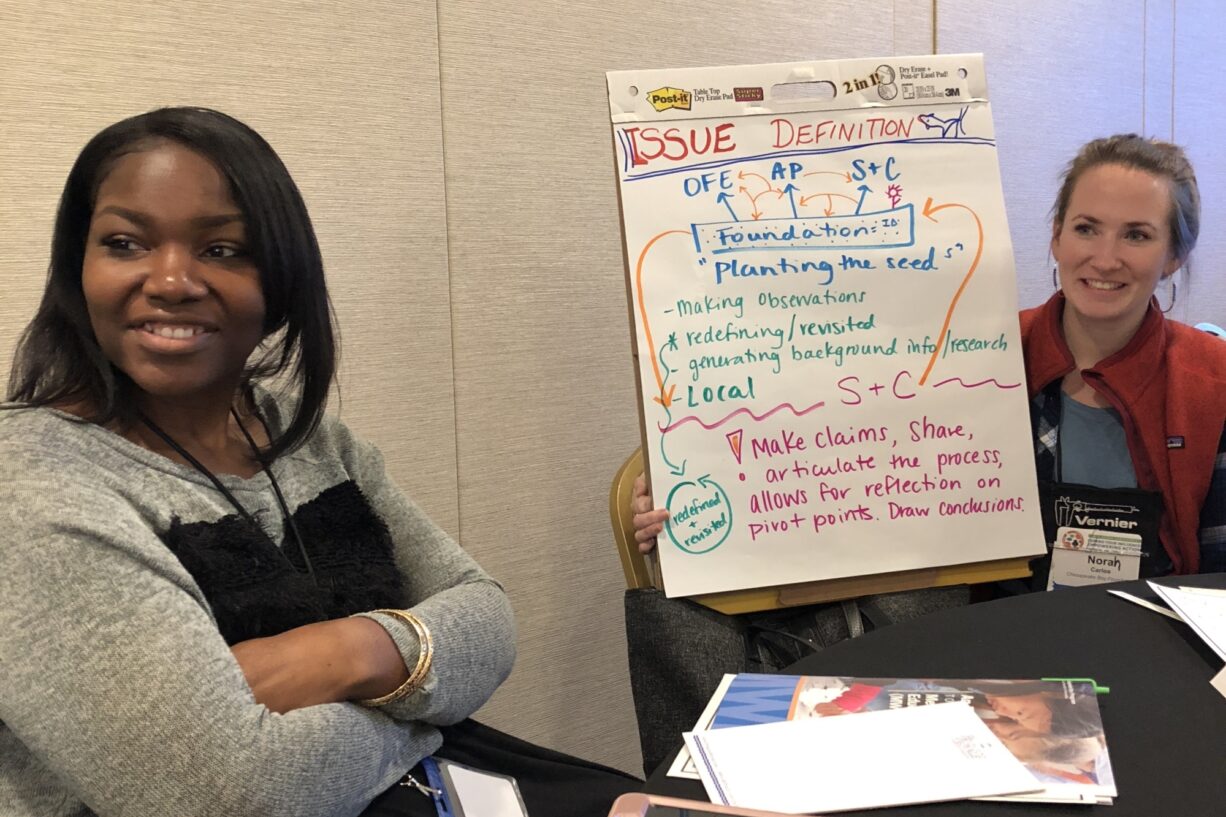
[{"x": 1168, "y": 384}]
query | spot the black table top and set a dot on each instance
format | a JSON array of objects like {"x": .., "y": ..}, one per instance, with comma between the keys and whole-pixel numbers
[{"x": 1165, "y": 725}]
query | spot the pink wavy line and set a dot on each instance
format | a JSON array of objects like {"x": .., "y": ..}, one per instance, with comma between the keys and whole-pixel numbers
[
  {"x": 966, "y": 385},
  {"x": 717, "y": 424}
]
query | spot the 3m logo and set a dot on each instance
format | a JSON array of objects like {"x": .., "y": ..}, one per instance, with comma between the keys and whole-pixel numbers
[{"x": 662, "y": 99}]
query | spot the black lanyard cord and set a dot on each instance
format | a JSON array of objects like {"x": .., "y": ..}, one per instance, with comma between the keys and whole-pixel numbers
[
  {"x": 233, "y": 500},
  {"x": 1059, "y": 449},
  {"x": 276, "y": 488}
]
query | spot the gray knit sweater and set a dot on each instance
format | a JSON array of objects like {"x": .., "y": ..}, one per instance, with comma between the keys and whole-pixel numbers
[{"x": 118, "y": 691}]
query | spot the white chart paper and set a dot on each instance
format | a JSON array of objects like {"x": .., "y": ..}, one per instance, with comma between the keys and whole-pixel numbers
[{"x": 825, "y": 316}]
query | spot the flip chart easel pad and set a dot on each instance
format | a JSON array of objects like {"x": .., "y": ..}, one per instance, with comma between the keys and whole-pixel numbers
[{"x": 824, "y": 306}]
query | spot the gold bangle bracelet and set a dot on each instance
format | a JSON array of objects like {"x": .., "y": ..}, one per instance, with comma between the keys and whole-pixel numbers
[{"x": 425, "y": 656}]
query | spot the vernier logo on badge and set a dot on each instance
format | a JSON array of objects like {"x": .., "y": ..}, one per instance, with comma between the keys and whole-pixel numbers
[{"x": 1117, "y": 524}]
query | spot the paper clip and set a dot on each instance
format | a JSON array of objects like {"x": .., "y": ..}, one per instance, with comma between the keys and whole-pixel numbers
[{"x": 414, "y": 783}]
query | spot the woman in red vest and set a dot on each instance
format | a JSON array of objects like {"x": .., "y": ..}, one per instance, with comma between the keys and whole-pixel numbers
[{"x": 1103, "y": 363}]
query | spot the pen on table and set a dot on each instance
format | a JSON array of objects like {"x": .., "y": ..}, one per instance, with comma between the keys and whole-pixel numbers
[{"x": 1098, "y": 690}]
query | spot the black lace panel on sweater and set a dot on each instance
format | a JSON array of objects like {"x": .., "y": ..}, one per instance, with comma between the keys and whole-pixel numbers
[{"x": 257, "y": 589}]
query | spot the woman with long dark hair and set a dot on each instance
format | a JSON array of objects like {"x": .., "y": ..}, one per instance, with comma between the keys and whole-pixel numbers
[{"x": 212, "y": 598}]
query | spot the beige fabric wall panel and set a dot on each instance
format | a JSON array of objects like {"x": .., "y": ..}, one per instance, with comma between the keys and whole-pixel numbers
[
  {"x": 1059, "y": 74},
  {"x": 1198, "y": 121},
  {"x": 545, "y": 395},
  {"x": 349, "y": 98}
]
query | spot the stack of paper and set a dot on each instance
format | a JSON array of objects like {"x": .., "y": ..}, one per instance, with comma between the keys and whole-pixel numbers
[
  {"x": 1054, "y": 728},
  {"x": 893, "y": 757}
]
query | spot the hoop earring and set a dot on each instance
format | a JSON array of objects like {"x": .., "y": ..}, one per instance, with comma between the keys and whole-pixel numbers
[
  {"x": 1171, "y": 305},
  {"x": 1055, "y": 268}
]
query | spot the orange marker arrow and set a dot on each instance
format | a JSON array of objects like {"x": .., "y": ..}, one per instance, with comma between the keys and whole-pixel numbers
[
  {"x": 742, "y": 174},
  {"x": 829, "y": 199},
  {"x": 666, "y": 396},
  {"x": 846, "y": 174},
  {"x": 754, "y": 198},
  {"x": 929, "y": 211}
]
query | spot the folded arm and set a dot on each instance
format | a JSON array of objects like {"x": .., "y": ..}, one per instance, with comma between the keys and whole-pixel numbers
[
  {"x": 466, "y": 611},
  {"x": 117, "y": 679}
]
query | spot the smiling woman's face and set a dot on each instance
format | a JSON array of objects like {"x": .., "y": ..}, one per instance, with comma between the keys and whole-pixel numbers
[
  {"x": 174, "y": 297},
  {"x": 1115, "y": 244}
]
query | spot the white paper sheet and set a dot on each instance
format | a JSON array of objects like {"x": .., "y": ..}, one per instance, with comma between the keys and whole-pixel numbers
[
  {"x": 914, "y": 755},
  {"x": 1148, "y": 605},
  {"x": 1204, "y": 612}
]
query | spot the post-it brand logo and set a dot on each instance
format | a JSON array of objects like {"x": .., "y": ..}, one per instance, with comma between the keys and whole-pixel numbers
[{"x": 662, "y": 99}]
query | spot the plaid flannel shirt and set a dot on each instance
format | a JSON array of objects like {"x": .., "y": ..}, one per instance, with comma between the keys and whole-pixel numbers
[{"x": 1045, "y": 423}]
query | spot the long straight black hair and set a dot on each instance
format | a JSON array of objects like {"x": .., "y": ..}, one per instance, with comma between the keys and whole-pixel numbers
[{"x": 58, "y": 359}]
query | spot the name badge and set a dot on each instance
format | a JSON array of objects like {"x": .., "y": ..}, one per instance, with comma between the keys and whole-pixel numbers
[
  {"x": 462, "y": 791},
  {"x": 1083, "y": 556}
]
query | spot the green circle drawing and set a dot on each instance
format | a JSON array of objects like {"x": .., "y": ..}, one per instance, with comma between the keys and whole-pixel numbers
[{"x": 699, "y": 515}]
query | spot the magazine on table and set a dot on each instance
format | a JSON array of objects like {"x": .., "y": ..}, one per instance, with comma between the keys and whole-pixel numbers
[{"x": 1053, "y": 727}]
